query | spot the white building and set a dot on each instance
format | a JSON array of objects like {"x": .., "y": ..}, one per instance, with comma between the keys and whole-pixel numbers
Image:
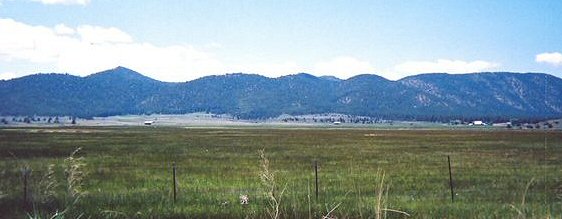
[{"x": 478, "y": 123}]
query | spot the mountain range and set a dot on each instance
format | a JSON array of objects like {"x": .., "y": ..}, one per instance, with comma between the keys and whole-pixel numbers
[{"x": 436, "y": 96}]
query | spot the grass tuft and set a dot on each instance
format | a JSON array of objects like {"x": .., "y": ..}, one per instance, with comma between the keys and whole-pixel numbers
[
  {"x": 75, "y": 175},
  {"x": 74, "y": 170},
  {"x": 274, "y": 196},
  {"x": 47, "y": 186},
  {"x": 382, "y": 199},
  {"x": 522, "y": 209}
]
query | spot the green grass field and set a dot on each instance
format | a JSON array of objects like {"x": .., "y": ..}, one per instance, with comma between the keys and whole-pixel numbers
[{"x": 129, "y": 172}]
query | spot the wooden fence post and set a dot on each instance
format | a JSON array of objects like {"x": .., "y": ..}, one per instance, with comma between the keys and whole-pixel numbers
[
  {"x": 26, "y": 172},
  {"x": 451, "y": 180},
  {"x": 174, "y": 180}
]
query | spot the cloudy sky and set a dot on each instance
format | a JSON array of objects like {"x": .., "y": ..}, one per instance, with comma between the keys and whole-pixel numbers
[{"x": 180, "y": 40}]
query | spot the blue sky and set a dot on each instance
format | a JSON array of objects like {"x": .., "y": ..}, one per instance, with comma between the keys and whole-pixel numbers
[{"x": 179, "y": 40}]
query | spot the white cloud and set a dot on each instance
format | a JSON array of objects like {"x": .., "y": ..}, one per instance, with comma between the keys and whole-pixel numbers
[
  {"x": 88, "y": 49},
  {"x": 554, "y": 58},
  {"x": 35, "y": 44},
  {"x": 7, "y": 75},
  {"x": 62, "y": 29},
  {"x": 64, "y": 2},
  {"x": 95, "y": 34},
  {"x": 343, "y": 67},
  {"x": 439, "y": 66},
  {"x": 214, "y": 45}
]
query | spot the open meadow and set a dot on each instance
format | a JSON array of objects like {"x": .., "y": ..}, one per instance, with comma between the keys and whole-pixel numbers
[{"x": 126, "y": 172}]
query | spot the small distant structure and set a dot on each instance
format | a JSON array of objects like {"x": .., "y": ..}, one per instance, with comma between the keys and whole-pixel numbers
[
  {"x": 477, "y": 123},
  {"x": 148, "y": 122},
  {"x": 337, "y": 123},
  {"x": 502, "y": 124}
]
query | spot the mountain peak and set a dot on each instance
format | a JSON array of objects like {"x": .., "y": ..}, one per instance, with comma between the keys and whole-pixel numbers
[
  {"x": 123, "y": 69},
  {"x": 368, "y": 77},
  {"x": 331, "y": 78},
  {"x": 301, "y": 75},
  {"x": 120, "y": 73},
  {"x": 305, "y": 75}
]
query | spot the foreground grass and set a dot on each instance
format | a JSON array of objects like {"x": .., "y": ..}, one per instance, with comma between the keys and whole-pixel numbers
[{"x": 129, "y": 172}]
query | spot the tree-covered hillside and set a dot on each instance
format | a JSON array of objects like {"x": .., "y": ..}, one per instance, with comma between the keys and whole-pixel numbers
[{"x": 421, "y": 97}]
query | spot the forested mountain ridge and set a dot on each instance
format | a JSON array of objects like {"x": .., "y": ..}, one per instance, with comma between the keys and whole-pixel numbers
[{"x": 422, "y": 97}]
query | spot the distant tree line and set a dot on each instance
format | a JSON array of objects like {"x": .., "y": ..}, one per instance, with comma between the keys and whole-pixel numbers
[
  {"x": 39, "y": 119},
  {"x": 334, "y": 118}
]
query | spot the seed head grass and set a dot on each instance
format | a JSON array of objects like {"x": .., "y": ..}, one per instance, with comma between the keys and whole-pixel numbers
[{"x": 274, "y": 196}]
